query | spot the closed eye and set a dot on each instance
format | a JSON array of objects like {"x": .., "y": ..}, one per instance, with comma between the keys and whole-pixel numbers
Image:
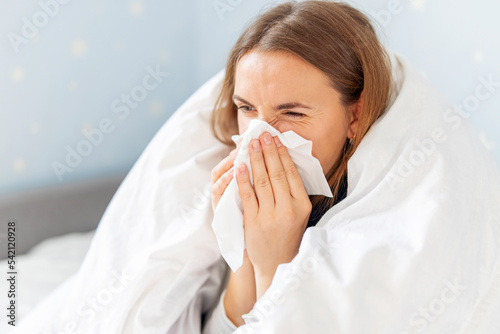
[{"x": 294, "y": 114}]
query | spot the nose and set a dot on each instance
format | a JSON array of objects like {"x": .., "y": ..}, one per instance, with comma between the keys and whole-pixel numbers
[{"x": 273, "y": 121}]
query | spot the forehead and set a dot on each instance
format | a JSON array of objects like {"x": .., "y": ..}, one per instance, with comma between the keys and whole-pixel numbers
[{"x": 278, "y": 72}]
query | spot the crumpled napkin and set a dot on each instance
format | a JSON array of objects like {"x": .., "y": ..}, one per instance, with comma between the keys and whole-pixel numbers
[{"x": 228, "y": 215}]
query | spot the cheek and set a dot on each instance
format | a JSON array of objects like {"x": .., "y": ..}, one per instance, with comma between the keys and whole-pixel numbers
[
  {"x": 242, "y": 124},
  {"x": 327, "y": 147}
]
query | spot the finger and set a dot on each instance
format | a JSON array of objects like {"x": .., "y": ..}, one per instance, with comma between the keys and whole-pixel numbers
[
  {"x": 223, "y": 166},
  {"x": 297, "y": 189},
  {"x": 220, "y": 186},
  {"x": 247, "y": 194},
  {"x": 275, "y": 168},
  {"x": 261, "y": 180}
]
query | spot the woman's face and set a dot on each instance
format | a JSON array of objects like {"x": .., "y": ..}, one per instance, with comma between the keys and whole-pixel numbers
[{"x": 291, "y": 94}]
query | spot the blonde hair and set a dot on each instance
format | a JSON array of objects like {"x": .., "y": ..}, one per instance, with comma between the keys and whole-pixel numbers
[{"x": 337, "y": 39}]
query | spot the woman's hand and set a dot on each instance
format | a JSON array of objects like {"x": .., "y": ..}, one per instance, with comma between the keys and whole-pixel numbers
[
  {"x": 240, "y": 294},
  {"x": 222, "y": 174},
  {"x": 275, "y": 214}
]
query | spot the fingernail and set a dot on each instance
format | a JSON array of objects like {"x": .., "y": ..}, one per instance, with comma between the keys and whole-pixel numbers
[
  {"x": 277, "y": 141},
  {"x": 267, "y": 139},
  {"x": 256, "y": 146},
  {"x": 242, "y": 169}
]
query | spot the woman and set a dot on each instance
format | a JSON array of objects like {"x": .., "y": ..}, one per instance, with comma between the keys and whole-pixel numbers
[
  {"x": 317, "y": 68},
  {"x": 314, "y": 67},
  {"x": 409, "y": 243}
]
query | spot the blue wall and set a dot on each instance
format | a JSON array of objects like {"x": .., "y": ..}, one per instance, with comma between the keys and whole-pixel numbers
[{"x": 71, "y": 79}]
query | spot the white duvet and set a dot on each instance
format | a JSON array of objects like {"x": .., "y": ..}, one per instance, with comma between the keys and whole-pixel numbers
[{"x": 413, "y": 248}]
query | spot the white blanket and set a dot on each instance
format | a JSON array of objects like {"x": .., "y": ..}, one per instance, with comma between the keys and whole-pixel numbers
[{"x": 413, "y": 248}]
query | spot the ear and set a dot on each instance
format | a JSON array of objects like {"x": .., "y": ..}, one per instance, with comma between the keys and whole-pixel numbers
[{"x": 354, "y": 113}]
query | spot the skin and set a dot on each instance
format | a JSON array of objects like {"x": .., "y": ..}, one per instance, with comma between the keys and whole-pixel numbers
[{"x": 289, "y": 94}]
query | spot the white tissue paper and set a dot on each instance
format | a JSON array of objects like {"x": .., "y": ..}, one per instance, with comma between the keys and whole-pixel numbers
[{"x": 228, "y": 215}]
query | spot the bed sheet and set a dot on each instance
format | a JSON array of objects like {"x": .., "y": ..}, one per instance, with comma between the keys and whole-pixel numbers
[{"x": 43, "y": 268}]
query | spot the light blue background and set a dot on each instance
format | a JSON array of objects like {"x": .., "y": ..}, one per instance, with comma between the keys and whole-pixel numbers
[{"x": 64, "y": 80}]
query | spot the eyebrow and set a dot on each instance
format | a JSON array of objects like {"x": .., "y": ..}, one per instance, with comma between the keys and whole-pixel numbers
[{"x": 288, "y": 105}]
